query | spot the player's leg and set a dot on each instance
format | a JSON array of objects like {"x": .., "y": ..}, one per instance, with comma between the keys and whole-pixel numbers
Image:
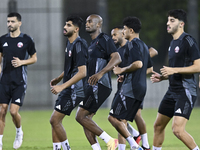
[
  {"x": 178, "y": 127},
  {"x": 58, "y": 131},
  {"x": 18, "y": 93},
  {"x": 122, "y": 142},
  {"x": 92, "y": 137},
  {"x": 159, "y": 130},
  {"x": 142, "y": 129},
  {"x": 182, "y": 112},
  {"x": 3, "y": 112}
]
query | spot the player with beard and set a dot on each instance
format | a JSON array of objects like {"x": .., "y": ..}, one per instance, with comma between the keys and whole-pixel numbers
[
  {"x": 103, "y": 56},
  {"x": 72, "y": 89},
  {"x": 119, "y": 40},
  {"x": 15, "y": 49},
  {"x": 179, "y": 100}
]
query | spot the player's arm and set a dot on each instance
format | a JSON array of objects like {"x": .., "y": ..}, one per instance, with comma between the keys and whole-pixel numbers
[
  {"x": 152, "y": 52},
  {"x": 195, "y": 68},
  {"x": 156, "y": 77},
  {"x": 149, "y": 70},
  {"x": 1, "y": 56},
  {"x": 132, "y": 67},
  {"x": 82, "y": 72},
  {"x": 57, "y": 80},
  {"x": 115, "y": 59},
  {"x": 16, "y": 62}
]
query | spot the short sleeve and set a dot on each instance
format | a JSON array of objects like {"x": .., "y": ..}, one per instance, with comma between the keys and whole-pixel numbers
[
  {"x": 193, "y": 50},
  {"x": 81, "y": 54},
  {"x": 134, "y": 52},
  {"x": 31, "y": 47}
]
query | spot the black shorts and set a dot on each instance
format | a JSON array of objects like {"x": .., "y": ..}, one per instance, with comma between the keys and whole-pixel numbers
[
  {"x": 94, "y": 97},
  {"x": 178, "y": 103},
  {"x": 12, "y": 93},
  {"x": 65, "y": 104},
  {"x": 124, "y": 107}
]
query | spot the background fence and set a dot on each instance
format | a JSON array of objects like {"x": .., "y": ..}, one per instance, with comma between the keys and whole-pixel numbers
[{"x": 43, "y": 20}]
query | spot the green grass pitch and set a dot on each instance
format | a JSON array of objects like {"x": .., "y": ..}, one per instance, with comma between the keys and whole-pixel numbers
[{"x": 37, "y": 130}]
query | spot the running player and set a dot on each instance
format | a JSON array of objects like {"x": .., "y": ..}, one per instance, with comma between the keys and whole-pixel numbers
[
  {"x": 15, "y": 49},
  {"x": 128, "y": 100},
  {"x": 103, "y": 56},
  {"x": 179, "y": 100},
  {"x": 72, "y": 89},
  {"x": 118, "y": 38}
]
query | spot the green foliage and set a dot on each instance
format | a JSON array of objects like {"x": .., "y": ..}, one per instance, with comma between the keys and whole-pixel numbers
[{"x": 37, "y": 130}]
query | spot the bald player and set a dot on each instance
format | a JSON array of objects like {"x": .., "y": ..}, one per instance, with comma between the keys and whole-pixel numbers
[{"x": 103, "y": 56}]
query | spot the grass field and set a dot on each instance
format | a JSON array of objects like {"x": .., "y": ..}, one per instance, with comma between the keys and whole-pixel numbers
[{"x": 37, "y": 130}]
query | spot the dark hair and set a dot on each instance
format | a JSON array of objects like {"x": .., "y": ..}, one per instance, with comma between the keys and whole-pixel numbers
[
  {"x": 178, "y": 14},
  {"x": 15, "y": 14},
  {"x": 133, "y": 22},
  {"x": 118, "y": 27},
  {"x": 76, "y": 20}
]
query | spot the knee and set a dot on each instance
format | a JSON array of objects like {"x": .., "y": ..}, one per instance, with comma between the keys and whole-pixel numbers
[
  {"x": 158, "y": 127},
  {"x": 3, "y": 111},
  {"x": 13, "y": 112},
  {"x": 78, "y": 118},
  {"x": 177, "y": 131},
  {"x": 53, "y": 121}
]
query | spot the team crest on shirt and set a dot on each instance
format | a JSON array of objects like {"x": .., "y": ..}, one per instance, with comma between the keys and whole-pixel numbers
[
  {"x": 176, "y": 49},
  {"x": 70, "y": 53},
  {"x": 20, "y": 44}
]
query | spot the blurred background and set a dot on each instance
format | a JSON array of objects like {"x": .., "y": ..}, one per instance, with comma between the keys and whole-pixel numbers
[{"x": 43, "y": 20}]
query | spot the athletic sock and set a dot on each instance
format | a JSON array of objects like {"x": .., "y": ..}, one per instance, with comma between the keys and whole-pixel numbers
[
  {"x": 56, "y": 146},
  {"x": 104, "y": 136},
  {"x": 1, "y": 136},
  {"x": 132, "y": 131},
  {"x": 65, "y": 145},
  {"x": 132, "y": 142},
  {"x": 156, "y": 148},
  {"x": 145, "y": 142},
  {"x": 121, "y": 146},
  {"x": 196, "y": 148},
  {"x": 19, "y": 130},
  {"x": 96, "y": 146}
]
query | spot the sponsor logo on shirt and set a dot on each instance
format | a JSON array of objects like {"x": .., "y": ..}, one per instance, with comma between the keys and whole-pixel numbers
[
  {"x": 20, "y": 44},
  {"x": 177, "y": 49},
  {"x": 5, "y": 44}
]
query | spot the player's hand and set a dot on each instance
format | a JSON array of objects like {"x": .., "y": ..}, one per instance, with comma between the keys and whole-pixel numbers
[
  {"x": 155, "y": 77},
  {"x": 117, "y": 70},
  {"x": 16, "y": 62},
  {"x": 54, "y": 81},
  {"x": 120, "y": 78},
  {"x": 94, "y": 78},
  {"x": 56, "y": 89},
  {"x": 166, "y": 71}
]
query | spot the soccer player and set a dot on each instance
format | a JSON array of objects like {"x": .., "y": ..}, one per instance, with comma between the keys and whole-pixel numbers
[
  {"x": 128, "y": 100},
  {"x": 15, "y": 49},
  {"x": 179, "y": 100},
  {"x": 118, "y": 38},
  {"x": 103, "y": 56},
  {"x": 72, "y": 89}
]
